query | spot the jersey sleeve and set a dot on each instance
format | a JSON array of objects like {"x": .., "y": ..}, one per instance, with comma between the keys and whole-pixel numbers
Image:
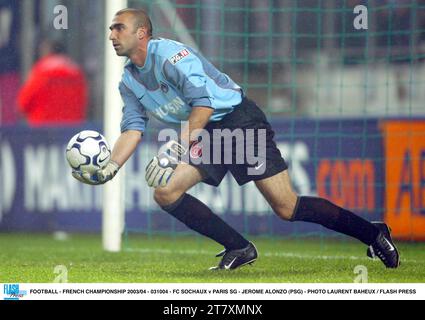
[
  {"x": 134, "y": 113},
  {"x": 184, "y": 70}
]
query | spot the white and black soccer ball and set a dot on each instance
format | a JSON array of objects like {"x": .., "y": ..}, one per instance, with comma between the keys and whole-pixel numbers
[{"x": 88, "y": 151}]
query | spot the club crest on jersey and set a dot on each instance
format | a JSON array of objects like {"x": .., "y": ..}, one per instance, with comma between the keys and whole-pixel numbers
[
  {"x": 164, "y": 87},
  {"x": 179, "y": 56}
]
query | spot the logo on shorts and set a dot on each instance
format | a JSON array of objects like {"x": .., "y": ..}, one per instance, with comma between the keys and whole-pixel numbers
[
  {"x": 258, "y": 167},
  {"x": 196, "y": 150},
  {"x": 179, "y": 56}
]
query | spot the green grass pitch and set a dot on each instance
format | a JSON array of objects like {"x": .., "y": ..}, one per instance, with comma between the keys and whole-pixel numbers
[{"x": 33, "y": 257}]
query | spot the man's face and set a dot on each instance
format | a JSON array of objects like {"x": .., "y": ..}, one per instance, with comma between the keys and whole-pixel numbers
[{"x": 123, "y": 35}]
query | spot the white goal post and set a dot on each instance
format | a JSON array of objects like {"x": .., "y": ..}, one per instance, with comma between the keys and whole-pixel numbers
[
  {"x": 113, "y": 192},
  {"x": 113, "y": 195}
]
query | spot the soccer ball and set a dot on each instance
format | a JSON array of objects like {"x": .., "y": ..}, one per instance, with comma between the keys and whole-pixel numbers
[{"x": 88, "y": 151}]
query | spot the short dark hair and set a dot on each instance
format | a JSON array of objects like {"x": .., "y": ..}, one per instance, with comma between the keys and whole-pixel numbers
[
  {"x": 58, "y": 47},
  {"x": 142, "y": 18},
  {"x": 54, "y": 45}
]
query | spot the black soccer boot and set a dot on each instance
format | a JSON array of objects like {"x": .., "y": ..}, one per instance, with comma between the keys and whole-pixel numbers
[
  {"x": 384, "y": 247},
  {"x": 233, "y": 259}
]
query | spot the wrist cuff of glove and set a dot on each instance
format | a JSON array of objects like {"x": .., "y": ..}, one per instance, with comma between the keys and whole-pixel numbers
[{"x": 114, "y": 166}]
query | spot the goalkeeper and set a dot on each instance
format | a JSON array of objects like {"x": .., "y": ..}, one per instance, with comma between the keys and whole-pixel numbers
[{"x": 175, "y": 83}]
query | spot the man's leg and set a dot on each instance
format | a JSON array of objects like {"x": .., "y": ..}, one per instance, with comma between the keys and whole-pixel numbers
[
  {"x": 278, "y": 192},
  {"x": 286, "y": 204},
  {"x": 192, "y": 212}
]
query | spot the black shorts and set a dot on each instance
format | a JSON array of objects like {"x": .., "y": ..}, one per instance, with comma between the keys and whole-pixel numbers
[{"x": 260, "y": 157}]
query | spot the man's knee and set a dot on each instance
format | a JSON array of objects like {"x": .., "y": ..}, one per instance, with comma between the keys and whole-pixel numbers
[
  {"x": 165, "y": 196},
  {"x": 286, "y": 210}
]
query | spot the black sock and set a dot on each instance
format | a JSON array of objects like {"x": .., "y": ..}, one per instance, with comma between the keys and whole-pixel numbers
[
  {"x": 197, "y": 216},
  {"x": 324, "y": 212}
]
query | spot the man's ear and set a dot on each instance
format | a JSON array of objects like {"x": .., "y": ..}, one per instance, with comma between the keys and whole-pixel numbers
[{"x": 141, "y": 33}]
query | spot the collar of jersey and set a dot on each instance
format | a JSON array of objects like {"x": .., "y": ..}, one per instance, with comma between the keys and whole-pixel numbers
[{"x": 147, "y": 66}]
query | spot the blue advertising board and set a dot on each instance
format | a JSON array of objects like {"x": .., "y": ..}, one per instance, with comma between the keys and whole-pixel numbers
[{"x": 340, "y": 160}]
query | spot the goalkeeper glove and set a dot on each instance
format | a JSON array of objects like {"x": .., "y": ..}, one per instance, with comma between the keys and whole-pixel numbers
[
  {"x": 161, "y": 167},
  {"x": 101, "y": 176}
]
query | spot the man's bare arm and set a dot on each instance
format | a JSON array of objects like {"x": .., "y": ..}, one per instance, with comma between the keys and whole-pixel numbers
[
  {"x": 198, "y": 119},
  {"x": 125, "y": 146}
]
